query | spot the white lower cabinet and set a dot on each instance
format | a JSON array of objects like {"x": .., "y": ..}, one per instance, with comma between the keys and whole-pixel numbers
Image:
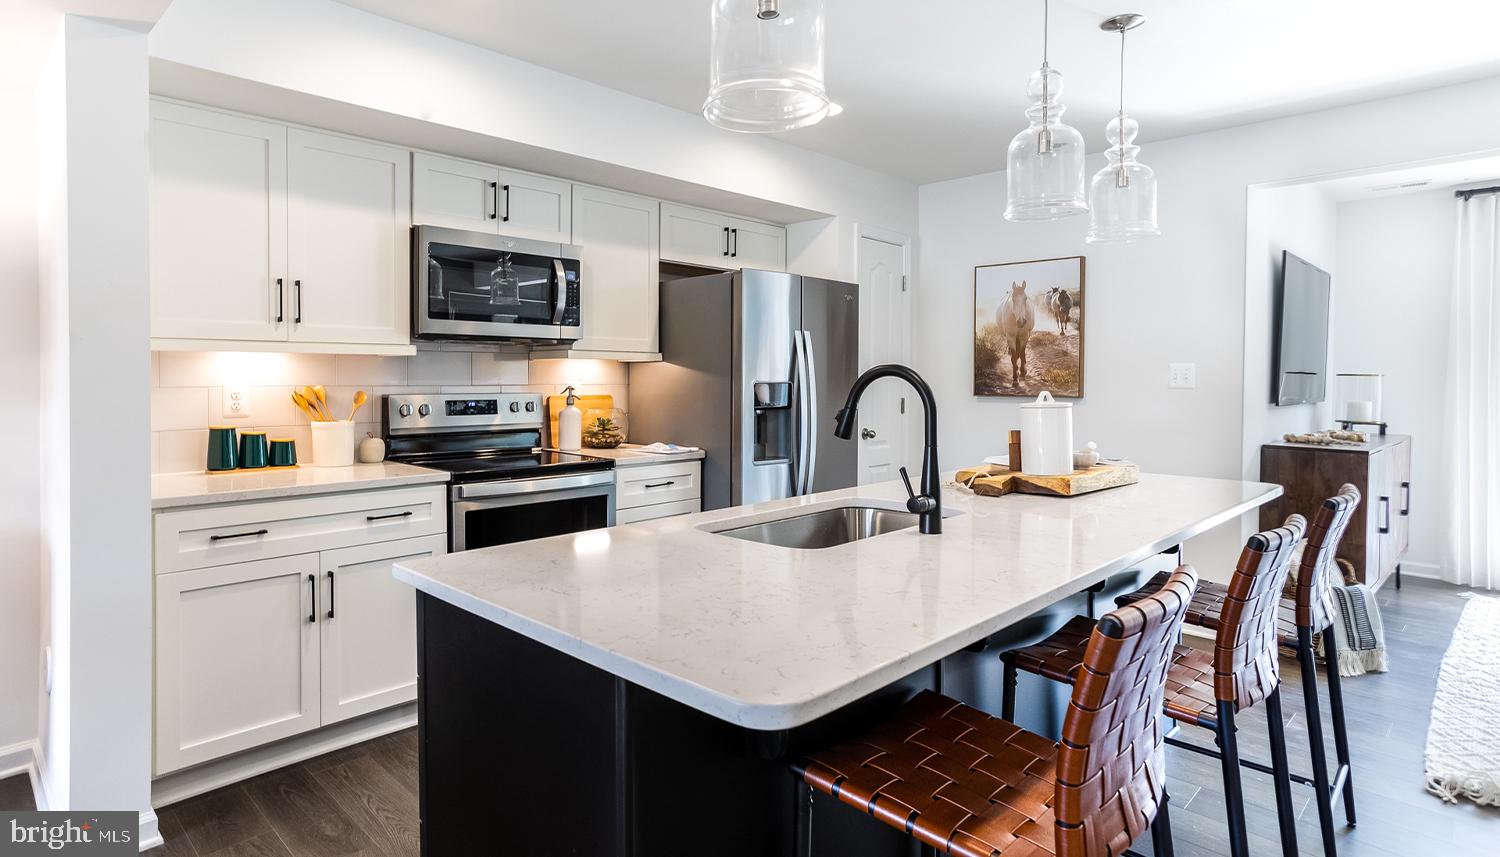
[
  {"x": 237, "y": 654},
  {"x": 248, "y": 653},
  {"x": 646, "y": 492}
]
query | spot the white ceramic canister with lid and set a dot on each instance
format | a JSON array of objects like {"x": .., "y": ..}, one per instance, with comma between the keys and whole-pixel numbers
[{"x": 1046, "y": 437}]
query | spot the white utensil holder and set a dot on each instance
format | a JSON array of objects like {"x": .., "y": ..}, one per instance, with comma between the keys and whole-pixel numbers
[
  {"x": 1046, "y": 437},
  {"x": 333, "y": 443}
]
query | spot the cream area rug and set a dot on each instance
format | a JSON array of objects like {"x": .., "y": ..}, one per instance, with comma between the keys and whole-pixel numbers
[{"x": 1463, "y": 740}]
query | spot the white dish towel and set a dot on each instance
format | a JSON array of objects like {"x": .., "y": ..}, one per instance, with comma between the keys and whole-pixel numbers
[{"x": 665, "y": 448}]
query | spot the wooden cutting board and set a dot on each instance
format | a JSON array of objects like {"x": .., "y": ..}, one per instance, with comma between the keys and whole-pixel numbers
[
  {"x": 555, "y": 404},
  {"x": 994, "y": 480}
]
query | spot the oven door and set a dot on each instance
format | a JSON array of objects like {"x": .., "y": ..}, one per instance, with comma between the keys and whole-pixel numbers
[
  {"x": 473, "y": 285},
  {"x": 501, "y": 513}
]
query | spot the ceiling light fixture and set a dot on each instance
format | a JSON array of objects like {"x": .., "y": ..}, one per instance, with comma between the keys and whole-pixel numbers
[
  {"x": 766, "y": 65},
  {"x": 1044, "y": 164},
  {"x": 1122, "y": 196}
]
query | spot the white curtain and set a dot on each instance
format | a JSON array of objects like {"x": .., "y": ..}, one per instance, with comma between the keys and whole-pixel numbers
[{"x": 1474, "y": 398}]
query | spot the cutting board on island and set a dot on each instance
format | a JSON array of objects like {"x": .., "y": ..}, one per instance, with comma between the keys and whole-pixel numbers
[
  {"x": 995, "y": 480},
  {"x": 555, "y": 404}
]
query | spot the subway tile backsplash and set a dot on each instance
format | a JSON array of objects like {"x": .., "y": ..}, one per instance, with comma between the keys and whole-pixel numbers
[{"x": 187, "y": 390}]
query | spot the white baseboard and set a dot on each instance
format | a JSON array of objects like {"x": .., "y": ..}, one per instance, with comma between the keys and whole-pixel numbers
[
  {"x": 1429, "y": 570},
  {"x": 25, "y": 757},
  {"x": 150, "y": 834},
  {"x": 180, "y": 785}
]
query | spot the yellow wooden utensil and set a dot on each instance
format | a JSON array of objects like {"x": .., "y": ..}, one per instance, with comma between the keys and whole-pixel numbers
[
  {"x": 301, "y": 401},
  {"x": 359, "y": 401},
  {"x": 312, "y": 402},
  {"x": 322, "y": 395}
]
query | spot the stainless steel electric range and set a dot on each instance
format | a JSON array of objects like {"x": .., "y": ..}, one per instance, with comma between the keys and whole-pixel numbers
[{"x": 503, "y": 487}]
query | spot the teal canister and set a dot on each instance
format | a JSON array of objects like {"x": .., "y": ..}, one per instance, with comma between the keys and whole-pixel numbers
[
  {"x": 223, "y": 452},
  {"x": 254, "y": 453},
  {"x": 283, "y": 452}
]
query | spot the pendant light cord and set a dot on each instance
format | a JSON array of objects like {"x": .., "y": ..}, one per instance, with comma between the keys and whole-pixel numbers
[
  {"x": 1044, "y": 138},
  {"x": 1122, "y": 177}
]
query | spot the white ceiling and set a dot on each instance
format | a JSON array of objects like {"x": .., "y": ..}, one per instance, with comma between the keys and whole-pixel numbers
[{"x": 934, "y": 89}]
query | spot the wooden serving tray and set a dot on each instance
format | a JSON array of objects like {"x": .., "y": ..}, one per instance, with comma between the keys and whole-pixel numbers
[{"x": 994, "y": 480}]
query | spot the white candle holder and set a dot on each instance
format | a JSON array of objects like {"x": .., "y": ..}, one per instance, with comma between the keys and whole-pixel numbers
[{"x": 1358, "y": 400}]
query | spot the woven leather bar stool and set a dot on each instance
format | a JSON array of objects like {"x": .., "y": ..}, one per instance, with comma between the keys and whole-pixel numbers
[
  {"x": 965, "y": 783},
  {"x": 1313, "y": 610},
  {"x": 1208, "y": 690}
]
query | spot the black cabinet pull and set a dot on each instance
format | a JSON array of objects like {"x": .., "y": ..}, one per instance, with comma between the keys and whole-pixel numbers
[
  {"x": 734, "y": 235},
  {"x": 1385, "y": 514},
  {"x": 726, "y": 241},
  {"x": 661, "y": 484},
  {"x": 506, "y": 218},
  {"x": 238, "y": 535},
  {"x": 280, "y": 300},
  {"x": 406, "y": 514},
  {"x": 330, "y": 595},
  {"x": 494, "y": 200},
  {"x": 297, "y": 301},
  {"x": 312, "y": 594},
  {"x": 1405, "y": 499}
]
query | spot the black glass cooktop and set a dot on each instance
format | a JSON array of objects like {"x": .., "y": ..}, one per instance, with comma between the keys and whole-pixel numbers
[{"x": 510, "y": 465}]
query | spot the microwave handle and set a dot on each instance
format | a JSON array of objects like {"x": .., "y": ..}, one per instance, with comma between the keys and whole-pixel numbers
[{"x": 560, "y": 297}]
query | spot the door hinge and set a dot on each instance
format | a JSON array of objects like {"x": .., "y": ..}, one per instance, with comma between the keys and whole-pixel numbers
[{"x": 903, "y": 282}]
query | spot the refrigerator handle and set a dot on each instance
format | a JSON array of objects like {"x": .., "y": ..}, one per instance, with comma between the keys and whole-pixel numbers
[
  {"x": 804, "y": 425},
  {"x": 811, "y": 453}
]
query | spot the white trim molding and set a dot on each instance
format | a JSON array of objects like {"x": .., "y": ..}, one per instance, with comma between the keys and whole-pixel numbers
[
  {"x": 25, "y": 757},
  {"x": 150, "y": 834}
]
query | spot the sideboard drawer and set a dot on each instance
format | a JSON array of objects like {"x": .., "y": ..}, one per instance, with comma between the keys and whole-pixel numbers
[
  {"x": 658, "y": 483},
  {"x": 240, "y": 532}
]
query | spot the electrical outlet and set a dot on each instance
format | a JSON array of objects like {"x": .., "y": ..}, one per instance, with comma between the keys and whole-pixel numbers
[
  {"x": 236, "y": 403},
  {"x": 1182, "y": 376}
]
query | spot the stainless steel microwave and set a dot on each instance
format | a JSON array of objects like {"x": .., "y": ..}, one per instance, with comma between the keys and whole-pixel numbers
[{"x": 479, "y": 286}]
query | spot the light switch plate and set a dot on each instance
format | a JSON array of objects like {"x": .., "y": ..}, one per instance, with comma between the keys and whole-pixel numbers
[
  {"x": 1182, "y": 376},
  {"x": 236, "y": 403}
]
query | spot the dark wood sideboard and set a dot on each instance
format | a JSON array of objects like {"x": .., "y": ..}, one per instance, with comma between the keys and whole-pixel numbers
[{"x": 1381, "y": 469}]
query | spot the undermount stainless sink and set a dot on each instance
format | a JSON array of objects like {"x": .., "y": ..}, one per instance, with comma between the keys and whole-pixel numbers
[{"x": 826, "y": 528}]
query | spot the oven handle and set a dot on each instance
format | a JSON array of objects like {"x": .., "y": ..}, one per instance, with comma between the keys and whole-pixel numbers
[
  {"x": 560, "y": 302},
  {"x": 528, "y": 486}
]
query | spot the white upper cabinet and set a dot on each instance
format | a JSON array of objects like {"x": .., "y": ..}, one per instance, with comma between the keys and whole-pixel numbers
[
  {"x": 349, "y": 248},
  {"x": 619, "y": 237},
  {"x": 479, "y": 197},
  {"x": 698, "y": 236},
  {"x": 218, "y": 225}
]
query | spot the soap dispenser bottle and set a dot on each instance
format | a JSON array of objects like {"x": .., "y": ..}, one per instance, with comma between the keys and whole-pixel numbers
[{"x": 570, "y": 424}]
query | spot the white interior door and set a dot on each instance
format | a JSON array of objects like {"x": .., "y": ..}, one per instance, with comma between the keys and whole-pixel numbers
[
  {"x": 369, "y": 627},
  {"x": 883, "y": 338}
]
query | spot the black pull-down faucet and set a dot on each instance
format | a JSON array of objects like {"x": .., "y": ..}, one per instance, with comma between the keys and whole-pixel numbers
[{"x": 928, "y": 504}]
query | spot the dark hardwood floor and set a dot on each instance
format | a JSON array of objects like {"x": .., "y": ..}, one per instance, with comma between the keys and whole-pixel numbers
[{"x": 362, "y": 801}]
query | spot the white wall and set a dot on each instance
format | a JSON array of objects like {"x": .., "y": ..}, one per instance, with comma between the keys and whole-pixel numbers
[
  {"x": 92, "y": 120},
  {"x": 335, "y": 52},
  {"x": 1394, "y": 293},
  {"x": 1177, "y": 298}
]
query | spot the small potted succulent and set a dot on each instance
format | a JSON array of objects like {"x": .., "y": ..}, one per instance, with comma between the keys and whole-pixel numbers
[{"x": 604, "y": 429}]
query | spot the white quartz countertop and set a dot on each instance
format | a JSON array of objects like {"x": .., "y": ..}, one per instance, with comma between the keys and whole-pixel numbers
[
  {"x": 771, "y": 638},
  {"x": 170, "y": 490},
  {"x": 629, "y": 455}
]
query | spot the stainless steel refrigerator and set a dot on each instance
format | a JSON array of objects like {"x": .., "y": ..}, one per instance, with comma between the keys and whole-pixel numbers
[{"x": 754, "y": 366}]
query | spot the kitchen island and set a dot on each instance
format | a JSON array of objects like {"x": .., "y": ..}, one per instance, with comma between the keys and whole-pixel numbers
[{"x": 640, "y": 690}]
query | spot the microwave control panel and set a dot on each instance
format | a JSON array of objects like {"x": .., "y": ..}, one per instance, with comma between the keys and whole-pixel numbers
[{"x": 571, "y": 315}]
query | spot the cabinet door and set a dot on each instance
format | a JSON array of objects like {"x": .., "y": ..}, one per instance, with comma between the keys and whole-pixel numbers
[
  {"x": 1400, "y": 479},
  {"x": 695, "y": 236},
  {"x": 236, "y": 658},
  {"x": 349, "y": 224},
  {"x": 453, "y": 193},
  {"x": 369, "y": 627},
  {"x": 1379, "y": 517},
  {"x": 218, "y": 225},
  {"x": 535, "y": 207},
  {"x": 753, "y": 244},
  {"x": 619, "y": 276}
]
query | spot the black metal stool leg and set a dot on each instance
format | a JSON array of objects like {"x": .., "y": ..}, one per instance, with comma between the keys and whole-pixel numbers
[
  {"x": 1309, "y": 666},
  {"x": 1161, "y": 830},
  {"x": 1336, "y": 708},
  {"x": 1286, "y": 817},
  {"x": 1008, "y": 690},
  {"x": 802, "y": 829},
  {"x": 1234, "y": 797}
]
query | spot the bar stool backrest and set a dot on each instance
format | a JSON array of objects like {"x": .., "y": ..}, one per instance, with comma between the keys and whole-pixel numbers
[
  {"x": 1316, "y": 604},
  {"x": 1110, "y": 764},
  {"x": 1247, "y": 662}
]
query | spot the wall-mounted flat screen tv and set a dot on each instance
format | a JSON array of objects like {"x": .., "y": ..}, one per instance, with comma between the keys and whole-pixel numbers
[{"x": 1301, "y": 370}]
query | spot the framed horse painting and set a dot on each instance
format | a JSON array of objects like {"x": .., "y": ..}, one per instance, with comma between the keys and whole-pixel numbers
[{"x": 1028, "y": 328}]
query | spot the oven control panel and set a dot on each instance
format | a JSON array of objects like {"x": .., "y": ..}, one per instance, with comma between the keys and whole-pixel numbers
[{"x": 416, "y": 413}]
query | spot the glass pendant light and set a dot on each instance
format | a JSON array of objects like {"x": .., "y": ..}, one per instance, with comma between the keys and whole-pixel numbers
[
  {"x": 1122, "y": 196},
  {"x": 766, "y": 65},
  {"x": 1044, "y": 165}
]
